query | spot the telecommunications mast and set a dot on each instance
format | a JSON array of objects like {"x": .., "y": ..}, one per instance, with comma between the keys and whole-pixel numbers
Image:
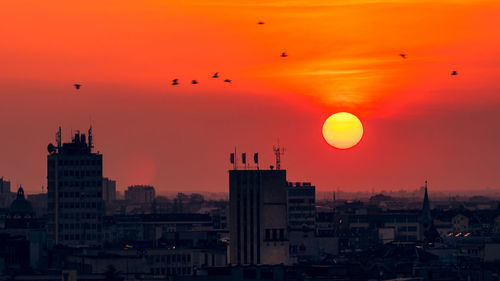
[{"x": 278, "y": 151}]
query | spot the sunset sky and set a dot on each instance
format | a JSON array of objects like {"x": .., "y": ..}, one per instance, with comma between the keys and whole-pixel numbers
[{"x": 420, "y": 123}]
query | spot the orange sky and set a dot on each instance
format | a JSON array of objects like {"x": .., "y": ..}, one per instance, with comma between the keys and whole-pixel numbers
[{"x": 420, "y": 122}]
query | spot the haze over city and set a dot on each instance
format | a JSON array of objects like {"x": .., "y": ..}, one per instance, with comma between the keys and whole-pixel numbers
[{"x": 419, "y": 121}]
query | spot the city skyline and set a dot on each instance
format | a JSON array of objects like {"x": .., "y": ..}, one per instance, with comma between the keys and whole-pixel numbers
[{"x": 420, "y": 122}]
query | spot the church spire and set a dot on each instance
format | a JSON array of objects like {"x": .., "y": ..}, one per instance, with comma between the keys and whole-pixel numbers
[{"x": 426, "y": 207}]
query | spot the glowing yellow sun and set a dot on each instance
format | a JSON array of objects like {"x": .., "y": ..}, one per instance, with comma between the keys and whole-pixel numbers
[{"x": 342, "y": 130}]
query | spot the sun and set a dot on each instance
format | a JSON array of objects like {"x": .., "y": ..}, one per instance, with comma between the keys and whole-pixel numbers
[{"x": 342, "y": 130}]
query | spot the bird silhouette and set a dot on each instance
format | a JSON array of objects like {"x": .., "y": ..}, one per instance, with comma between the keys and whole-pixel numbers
[
  {"x": 216, "y": 75},
  {"x": 228, "y": 80},
  {"x": 194, "y": 82},
  {"x": 77, "y": 86},
  {"x": 284, "y": 55},
  {"x": 174, "y": 82},
  {"x": 260, "y": 22},
  {"x": 454, "y": 72},
  {"x": 403, "y": 55}
]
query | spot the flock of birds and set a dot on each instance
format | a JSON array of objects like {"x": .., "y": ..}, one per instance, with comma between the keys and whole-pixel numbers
[
  {"x": 175, "y": 81},
  {"x": 194, "y": 82},
  {"x": 453, "y": 73}
]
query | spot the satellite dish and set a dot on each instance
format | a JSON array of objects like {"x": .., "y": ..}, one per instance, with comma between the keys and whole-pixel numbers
[{"x": 51, "y": 148}]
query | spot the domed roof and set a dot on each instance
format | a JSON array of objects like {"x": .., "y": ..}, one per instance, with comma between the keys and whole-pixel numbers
[{"x": 21, "y": 205}]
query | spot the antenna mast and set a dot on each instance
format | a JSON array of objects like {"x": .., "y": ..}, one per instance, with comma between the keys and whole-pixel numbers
[
  {"x": 90, "y": 139},
  {"x": 278, "y": 151},
  {"x": 58, "y": 138}
]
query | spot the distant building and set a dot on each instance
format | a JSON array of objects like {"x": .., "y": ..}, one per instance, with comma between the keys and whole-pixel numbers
[
  {"x": 39, "y": 203},
  {"x": 6, "y": 197},
  {"x": 4, "y": 186},
  {"x": 108, "y": 190},
  {"x": 74, "y": 185},
  {"x": 21, "y": 214},
  {"x": 23, "y": 236},
  {"x": 429, "y": 232},
  {"x": 258, "y": 217},
  {"x": 301, "y": 201},
  {"x": 140, "y": 194}
]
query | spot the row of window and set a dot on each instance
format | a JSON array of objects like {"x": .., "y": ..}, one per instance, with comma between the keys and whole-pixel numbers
[
  {"x": 173, "y": 258},
  {"x": 302, "y": 208},
  {"x": 76, "y": 205},
  {"x": 77, "y": 237},
  {"x": 275, "y": 234},
  {"x": 301, "y": 215},
  {"x": 80, "y": 195},
  {"x": 171, "y": 271},
  {"x": 80, "y": 216},
  {"x": 80, "y": 162},
  {"x": 78, "y": 173},
  {"x": 85, "y": 226},
  {"x": 295, "y": 223},
  {"x": 301, "y": 192}
]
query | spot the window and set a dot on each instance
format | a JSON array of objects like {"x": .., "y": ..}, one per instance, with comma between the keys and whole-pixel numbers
[
  {"x": 249, "y": 274},
  {"x": 268, "y": 234},
  {"x": 275, "y": 234}
]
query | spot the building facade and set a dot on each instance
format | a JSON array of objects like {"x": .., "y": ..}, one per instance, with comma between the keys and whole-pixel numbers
[
  {"x": 140, "y": 194},
  {"x": 74, "y": 185},
  {"x": 258, "y": 217},
  {"x": 4, "y": 186},
  {"x": 108, "y": 190},
  {"x": 301, "y": 206}
]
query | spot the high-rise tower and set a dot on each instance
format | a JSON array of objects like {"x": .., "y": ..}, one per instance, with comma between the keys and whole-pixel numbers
[
  {"x": 258, "y": 217},
  {"x": 74, "y": 185}
]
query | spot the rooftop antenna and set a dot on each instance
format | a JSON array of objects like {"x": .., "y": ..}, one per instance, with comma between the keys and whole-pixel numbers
[
  {"x": 232, "y": 159},
  {"x": 278, "y": 151},
  {"x": 58, "y": 138},
  {"x": 90, "y": 138}
]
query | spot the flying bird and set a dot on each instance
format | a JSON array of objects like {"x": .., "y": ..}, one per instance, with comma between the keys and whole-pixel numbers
[
  {"x": 260, "y": 22},
  {"x": 77, "y": 86},
  {"x": 403, "y": 55},
  {"x": 228, "y": 80},
  {"x": 454, "y": 72},
  {"x": 194, "y": 82},
  {"x": 174, "y": 82},
  {"x": 216, "y": 75},
  {"x": 284, "y": 55}
]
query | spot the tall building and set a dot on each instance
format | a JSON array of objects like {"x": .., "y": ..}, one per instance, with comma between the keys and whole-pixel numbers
[
  {"x": 108, "y": 190},
  {"x": 4, "y": 186},
  {"x": 140, "y": 194},
  {"x": 6, "y": 196},
  {"x": 301, "y": 206},
  {"x": 74, "y": 185},
  {"x": 258, "y": 217}
]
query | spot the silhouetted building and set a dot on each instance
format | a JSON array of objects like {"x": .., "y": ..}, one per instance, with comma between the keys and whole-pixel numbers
[
  {"x": 39, "y": 203},
  {"x": 258, "y": 217},
  {"x": 4, "y": 186},
  {"x": 74, "y": 184},
  {"x": 108, "y": 190},
  {"x": 21, "y": 214},
  {"x": 6, "y": 197},
  {"x": 140, "y": 194},
  {"x": 429, "y": 232},
  {"x": 301, "y": 206}
]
